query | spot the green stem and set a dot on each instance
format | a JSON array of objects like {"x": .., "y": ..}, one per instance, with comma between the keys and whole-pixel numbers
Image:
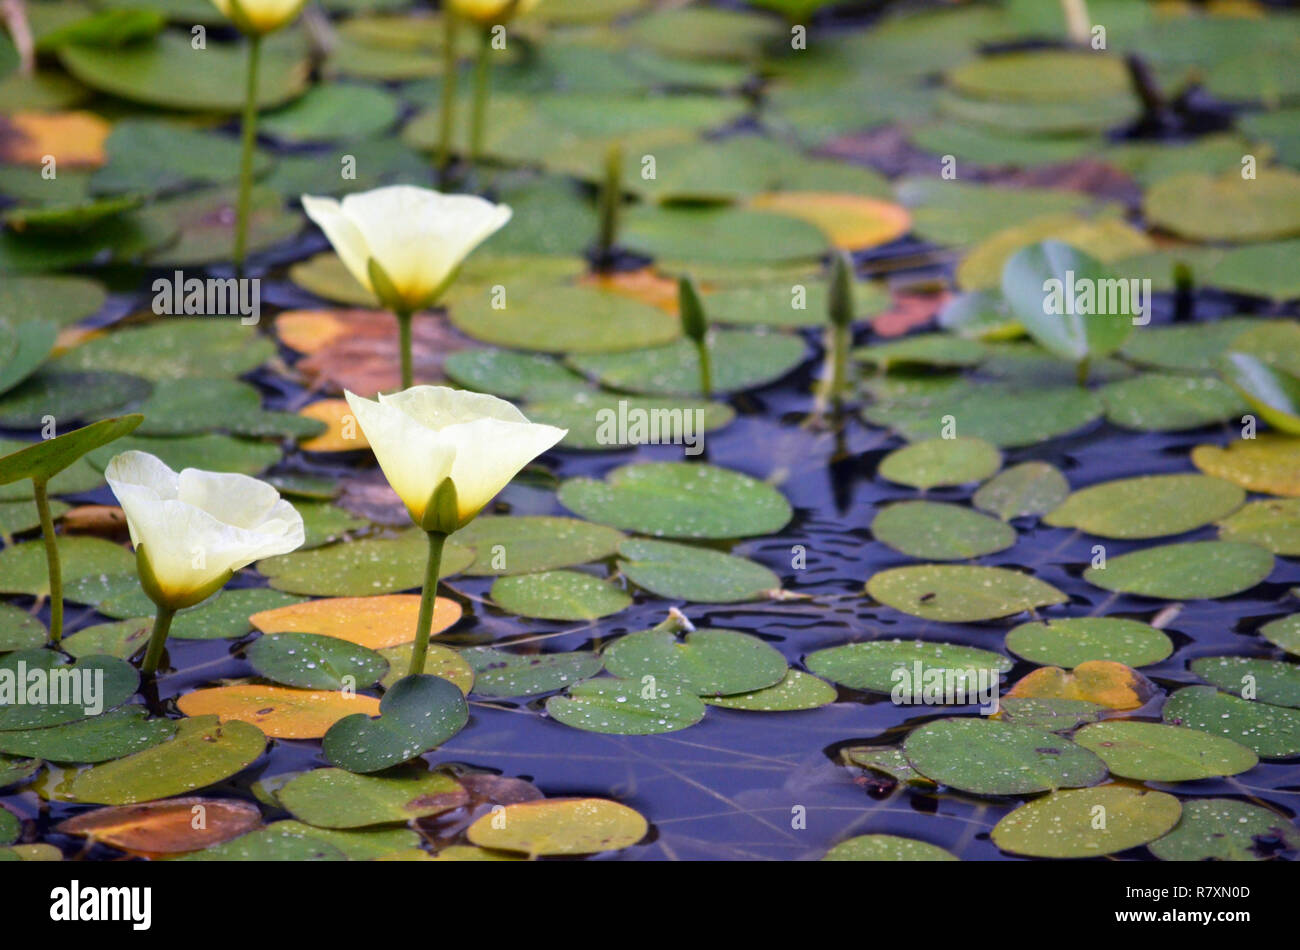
[
  {"x": 837, "y": 364},
  {"x": 52, "y": 560},
  {"x": 162, "y": 623},
  {"x": 1081, "y": 372},
  {"x": 404, "y": 333},
  {"x": 246, "y": 154},
  {"x": 428, "y": 597},
  {"x": 611, "y": 201},
  {"x": 706, "y": 368},
  {"x": 478, "y": 118},
  {"x": 447, "y": 116}
]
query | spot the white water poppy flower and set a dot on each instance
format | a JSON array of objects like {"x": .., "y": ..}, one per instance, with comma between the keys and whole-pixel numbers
[
  {"x": 259, "y": 16},
  {"x": 417, "y": 237},
  {"x": 491, "y": 12},
  {"x": 193, "y": 529},
  {"x": 427, "y": 438}
]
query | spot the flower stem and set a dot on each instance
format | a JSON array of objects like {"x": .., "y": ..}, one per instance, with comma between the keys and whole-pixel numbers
[
  {"x": 246, "y": 154},
  {"x": 706, "y": 369},
  {"x": 428, "y": 597},
  {"x": 52, "y": 560},
  {"x": 404, "y": 333},
  {"x": 162, "y": 623},
  {"x": 448, "y": 114},
  {"x": 478, "y": 118},
  {"x": 1081, "y": 372}
]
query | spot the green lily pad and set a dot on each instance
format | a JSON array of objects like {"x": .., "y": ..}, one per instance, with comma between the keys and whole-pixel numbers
[
  {"x": 63, "y": 696},
  {"x": 679, "y": 500},
  {"x": 960, "y": 593},
  {"x": 19, "y": 630},
  {"x": 15, "y": 771},
  {"x": 1030, "y": 488},
  {"x": 23, "y": 348},
  {"x": 23, "y": 568},
  {"x": 202, "y": 753},
  {"x": 986, "y": 757},
  {"x": 223, "y": 617},
  {"x": 991, "y": 411},
  {"x": 416, "y": 714},
  {"x": 886, "y": 760},
  {"x": 699, "y": 575},
  {"x": 1069, "y": 824},
  {"x": 559, "y": 595},
  {"x": 1221, "y": 829},
  {"x": 324, "y": 523},
  {"x": 740, "y": 360},
  {"x": 875, "y": 665},
  {"x": 270, "y": 844},
  {"x": 940, "y": 532},
  {"x": 957, "y": 212},
  {"x": 122, "y": 639},
  {"x": 1050, "y": 715},
  {"x": 1269, "y": 681},
  {"x": 1284, "y": 632},
  {"x": 1041, "y": 76},
  {"x": 111, "y": 735},
  {"x": 626, "y": 707},
  {"x": 564, "y": 319},
  {"x": 311, "y": 661},
  {"x": 703, "y": 235},
  {"x": 887, "y": 848},
  {"x": 1226, "y": 207},
  {"x": 46, "y": 459},
  {"x": 11, "y": 826},
  {"x": 19, "y": 516},
  {"x": 1152, "y": 751},
  {"x": 1193, "y": 570},
  {"x": 150, "y": 156},
  {"x": 67, "y": 396},
  {"x": 1160, "y": 402},
  {"x": 1074, "y": 640},
  {"x": 927, "y": 349},
  {"x": 1272, "y": 732},
  {"x": 529, "y": 543},
  {"x": 593, "y": 419},
  {"x": 205, "y": 222},
  {"x": 796, "y": 691},
  {"x": 334, "y": 798},
  {"x": 357, "y": 844},
  {"x": 331, "y": 112},
  {"x": 1150, "y": 506},
  {"x": 707, "y": 662},
  {"x": 214, "y": 453},
  {"x": 1194, "y": 347},
  {"x": 507, "y": 675},
  {"x": 935, "y": 462},
  {"x": 191, "y": 406},
  {"x": 361, "y": 568},
  {"x": 511, "y": 375}
]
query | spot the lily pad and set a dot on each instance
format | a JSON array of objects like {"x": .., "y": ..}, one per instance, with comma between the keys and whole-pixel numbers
[
  {"x": 1104, "y": 683},
  {"x": 1050, "y": 715},
  {"x": 710, "y": 662},
  {"x": 887, "y": 848},
  {"x": 940, "y": 532},
  {"x": 373, "y": 622},
  {"x": 279, "y": 712},
  {"x": 1269, "y": 681},
  {"x": 1155, "y": 402},
  {"x": 1227, "y": 207},
  {"x": 1068, "y": 824},
  {"x": 627, "y": 707},
  {"x": 168, "y": 827},
  {"x": 1030, "y": 488},
  {"x": 986, "y": 757},
  {"x": 1150, "y": 506},
  {"x": 1193, "y": 570},
  {"x": 501, "y": 674},
  {"x": 19, "y": 630},
  {"x": 592, "y": 419},
  {"x": 439, "y": 661},
  {"x": 960, "y": 593},
  {"x": 68, "y": 396},
  {"x": 699, "y": 575},
  {"x": 1221, "y": 829},
  {"x": 211, "y": 452},
  {"x": 512, "y": 375},
  {"x": 417, "y": 713},
  {"x": 111, "y": 735},
  {"x": 1074, "y": 640},
  {"x": 1271, "y": 391},
  {"x": 361, "y": 568},
  {"x": 1151, "y": 751},
  {"x": 703, "y": 235},
  {"x": 875, "y": 665},
  {"x": 528, "y": 543},
  {"x": 935, "y": 462},
  {"x": 796, "y": 691},
  {"x": 334, "y": 798},
  {"x": 311, "y": 661},
  {"x": 1267, "y": 463},
  {"x": 679, "y": 500},
  {"x": 990, "y": 411},
  {"x": 123, "y": 639},
  {"x": 1284, "y": 632},
  {"x": 65, "y": 695},
  {"x": 1272, "y": 732},
  {"x": 560, "y": 826},
  {"x": 559, "y": 595}
]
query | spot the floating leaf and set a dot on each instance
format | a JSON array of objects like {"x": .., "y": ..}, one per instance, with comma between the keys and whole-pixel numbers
[
  {"x": 278, "y": 712},
  {"x": 371, "y": 622},
  {"x": 991, "y": 411},
  {"x": 850, "y": 222},
  {"x": 623, "y": 708},
  {"x": 1064, "y": 824},
  {"x": 1159, "y": 402},
  {"x": 1030, "y": 488},
  {"x": 440, "y": 661},
  {"x": 1272, "y": 732},
  {"x": 270, "y": 844},
  {"x": 1272, "y": 392},
  {"x": 202, "y": 753},
  {"x": 417, "y": 713},
  {"x": 559, "y": 595},
  {"x": 936, "y": 462},
  {"x": 101, "y": 738},
  {"x": 796, "y": 691},
  {"x": 704, "y": 235},
  {"x": 1150, "y": 506},
  {"x": 1226, "y": 207},
  {"x": 927, "y": 349},
  {"x": 679, "y": 500},
  {"x": 177, "y": 348},
  {"x": 361, "y": 568},
  {"x": 211, "y": 452},
  {"x": 1221, "y": 829},
  {"x": 19, "y": 630},
  {"x": 69, "y": 692},
  {"x": 986, "y": 757},
  {"x": 169, "y": 827},
  {"x": 887, "y": 848},
  {"x": 123, "y": 639},
  {"x": 940, "y": 532},
  {"x": 524, "y": 544},
  {"x": 1151, "y": 751},
  {"x": 960, "y": 593},
  {"x": 501, "y": 674},
  {"x": 593, "y": 420},
  {"x": 699, "y": 575},
  {"x": 14, "y": 771},
  {"x": 1103, "y": 682},
  {"x": 876, "y": 666},
  {"x": 67, "y": 396},
  {"x": 560, "y": 826},
  {"x": 1267, "y": 463},
  {"x": 312, "y": 661},
  {"x": 1269, "y": 681},
  {"x": 1051, "y": 715},
  {"x": 1274, "y": 525},
  {"x": 334, "y": 798},
  {"x": 1074, "y": 640},
  {"x": 886, "y": 760},
  {"x": 707, "y": 662},
  {"x": 1285, "y": 632},
  {"x": 1189, "y": 571},
  {"x": 512, "y": 375}
]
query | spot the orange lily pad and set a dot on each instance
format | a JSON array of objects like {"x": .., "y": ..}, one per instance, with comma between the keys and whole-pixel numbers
[
  {"x": 280, "y": 712},
  {"x": 376, "y": 622},
  {"x": 342, "y": 434},
  {"x": 310, "y": 331},
  {"x": 646, "y": 285},
  {"x": 173, "y": 826},
  {"x": 1104, "y": 682},
  {"x": 851, "y": 222},
  {"x": 74, "y": 139}
]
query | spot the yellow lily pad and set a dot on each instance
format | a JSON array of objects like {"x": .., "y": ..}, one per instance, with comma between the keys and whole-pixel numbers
[
  {"x": 559, "y": 826},
  {"x": 1269, "y": 464},
  {"x": 1103, "y": 682},
  {"x": 280, "y": 712},
  {"x": 374, "y": 622}
]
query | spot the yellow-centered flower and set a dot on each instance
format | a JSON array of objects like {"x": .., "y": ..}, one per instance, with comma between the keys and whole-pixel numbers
[
  {"x": 259, "y": 16},
  {"x": 193, "y": 529},
  {"x": 491, "y": 12},
  {"x": 405, "y": 243},
  {"x": 447, "y": 452}
]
